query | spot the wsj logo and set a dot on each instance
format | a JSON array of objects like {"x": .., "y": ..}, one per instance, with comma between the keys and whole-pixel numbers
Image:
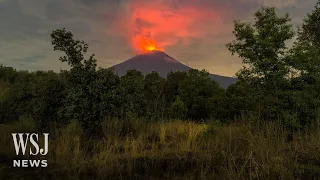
[{"x": 21, "y": 140}]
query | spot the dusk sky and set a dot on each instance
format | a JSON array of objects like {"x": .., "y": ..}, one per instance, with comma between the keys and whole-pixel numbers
[{"x": 192, "y": 31}]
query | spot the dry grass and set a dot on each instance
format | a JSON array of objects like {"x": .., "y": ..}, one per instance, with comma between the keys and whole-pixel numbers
[{"x": 173, "y": 149}]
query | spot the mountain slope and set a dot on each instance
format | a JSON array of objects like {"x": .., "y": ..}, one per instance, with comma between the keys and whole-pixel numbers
[{"x": 163, "y": 64}]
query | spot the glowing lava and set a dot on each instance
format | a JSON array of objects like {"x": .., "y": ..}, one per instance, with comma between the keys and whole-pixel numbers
[{"x": 144, "y": 44}]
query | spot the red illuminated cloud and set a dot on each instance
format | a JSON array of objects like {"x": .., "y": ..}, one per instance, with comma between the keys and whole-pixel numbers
[{"x": 158, "y": 24}]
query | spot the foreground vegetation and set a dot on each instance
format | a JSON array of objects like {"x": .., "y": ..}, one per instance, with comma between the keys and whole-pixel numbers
[
  {"x": 277, "y": 83},
  {"x": 138, "y": 149},
  {"x": 102, "y": 126}
]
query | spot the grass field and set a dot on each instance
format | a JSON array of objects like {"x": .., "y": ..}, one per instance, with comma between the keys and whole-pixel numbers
[{"x": 138, "y": 149}]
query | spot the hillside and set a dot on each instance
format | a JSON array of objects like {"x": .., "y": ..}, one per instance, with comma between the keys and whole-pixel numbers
[{"x": 163, "y": 64}]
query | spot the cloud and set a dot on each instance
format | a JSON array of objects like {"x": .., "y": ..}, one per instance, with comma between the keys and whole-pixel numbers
[
  {"x": 33, "y": 58},
  {"x": 174, "y": 22},
  {"x": 280, "y": 3},
  {"x": 15, "y": 25},
  {"x": 192, "y": 31}
]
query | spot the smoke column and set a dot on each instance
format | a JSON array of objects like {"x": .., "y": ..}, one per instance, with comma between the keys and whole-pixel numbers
[{"x": 164, "y": 23}]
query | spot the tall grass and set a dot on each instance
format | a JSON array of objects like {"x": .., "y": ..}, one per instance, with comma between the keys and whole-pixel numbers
[{"x": 138, "y": 149}]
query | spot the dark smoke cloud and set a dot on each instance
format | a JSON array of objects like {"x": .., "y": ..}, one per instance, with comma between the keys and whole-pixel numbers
[{"x": 193, "y": 31}]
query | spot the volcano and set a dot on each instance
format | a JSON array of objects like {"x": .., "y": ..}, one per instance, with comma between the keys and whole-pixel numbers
[{"x": 162, "y": 63}]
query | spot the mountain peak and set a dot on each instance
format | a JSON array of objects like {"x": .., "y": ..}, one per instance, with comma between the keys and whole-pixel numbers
[
  {"x": 162, "y": 63},
  {"x": 155, "y": 55},
  {"x": 157, "y": 61},
  {"x": 154, "y": 52}
]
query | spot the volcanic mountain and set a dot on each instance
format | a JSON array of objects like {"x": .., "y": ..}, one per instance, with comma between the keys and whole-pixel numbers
[{"x": 163, "y": 64}]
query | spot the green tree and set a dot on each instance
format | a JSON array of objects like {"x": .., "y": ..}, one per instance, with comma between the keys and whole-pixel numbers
[
  {"x": 262, "y": 48},
  {"x": 131, "y": 93},
  {"x": 7, "y": 106},
  {"x": 178, "y": 109},
  {"x": 196, "y": 90},
  {"x": 48, "y": 95},
  {"x": 305, "y": 60},
  {"x": 104, "y": 89},
  {"x": 172, "y": 85},
  {"x": 87, "y": 88},
  {"x": 154, "y": 95},
  {"x": 21, "y": 93}
]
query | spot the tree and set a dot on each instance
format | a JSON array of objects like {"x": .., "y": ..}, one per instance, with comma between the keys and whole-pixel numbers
[
  {"x": 172, "y": 85},
  {"x": 262, "y": 48},
  {"x": 105, "y": 90},
  {"x": 154, "y": 95},
  {"x": 62, "y": 40},
  {"x": 87, "y": 88},
  {"x": 48, "y": 95},
  {"x": 195, "y": 90},
  {"x": 305, "y": 59},
  {"x": 178, "y": 109},
  {"x": 131, "y": 92}
]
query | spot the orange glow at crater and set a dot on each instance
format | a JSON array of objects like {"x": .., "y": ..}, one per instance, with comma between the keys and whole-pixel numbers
[
  {"x": 165, "y": 24},
  {"x": 145, "y": 45}
]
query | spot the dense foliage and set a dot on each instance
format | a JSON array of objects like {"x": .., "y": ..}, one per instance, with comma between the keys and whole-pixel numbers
[{"x": 277, "y": 83}]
